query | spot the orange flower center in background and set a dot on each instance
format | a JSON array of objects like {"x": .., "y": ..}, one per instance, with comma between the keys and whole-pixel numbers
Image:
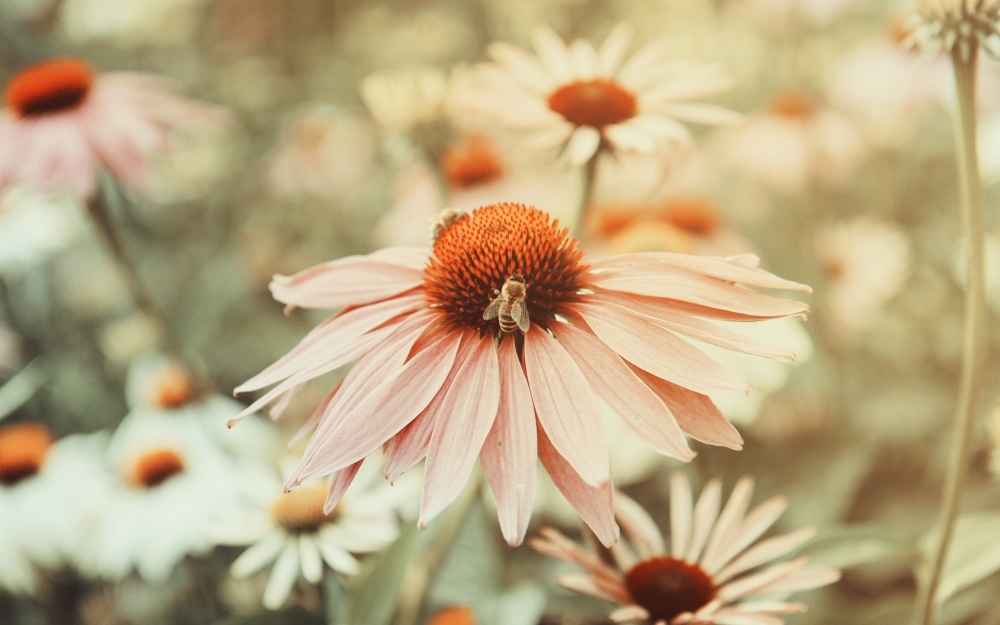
[
  {"x": 23, "y": 447},
  {"x": 172, "y": 388},
  {"x": 667, "y": 587},
  {"x": 301, "y": 509},
  {"x": 477, "y": 253},
  {"x": 470, "y": 162},
  {"x": 455, "y": 615},
  {"x": 155, "y": 467},
  {"x": 597, "y": 103},
  {"x": 695, "y": 215},
  {"x": 49, "y": 87},
  {"x": 793, "y": 105}
]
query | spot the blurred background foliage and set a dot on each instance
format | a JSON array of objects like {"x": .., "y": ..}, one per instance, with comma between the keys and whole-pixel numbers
[{"x": 864, "y": 213}]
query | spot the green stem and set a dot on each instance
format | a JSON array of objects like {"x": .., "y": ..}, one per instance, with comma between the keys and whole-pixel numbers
[
  {"x": 589, "y": 175},
  {"x": 974, "y": 338}
]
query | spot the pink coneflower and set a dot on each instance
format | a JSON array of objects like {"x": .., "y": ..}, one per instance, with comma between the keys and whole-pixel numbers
[
  {"x": 577, "y": 98},
  {"x": 435, "y": 379},
  {"x": 706, "y": 576},
  {"x": 62, "y": 122}
]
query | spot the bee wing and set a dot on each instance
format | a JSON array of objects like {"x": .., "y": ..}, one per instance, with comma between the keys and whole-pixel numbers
[
  {"x": 493, "y": 309},
  {"x": 519, "y": 313}
]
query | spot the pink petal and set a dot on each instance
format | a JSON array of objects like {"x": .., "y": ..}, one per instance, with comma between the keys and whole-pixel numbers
[
  {"x": 757, "y": 582},
  {"x": 314, "y": 418},
  {"x": 339, "y": 484},
  {"x": 658, "y": 351},
  {"x": 746, "y": 619},
  {"x": 565, "y": 406},
  {"x": 592, "y": 587},
  {"x": 510, "y": 454},
  {"x": 805, "y": 579},
  {"x": 624, "y": 392},
  {"x": 352, "y": 351},
  {"x": 467, "y": 414},
  {"x": 389, "y": 407},
  {"x": 695, "y": 413},
  {"x": 349, "y": 281},
  {"x": 666, "y": 314},
  {"x": 680, "y": 515},
  {"x": 696, "y": 289},
  {"x": 332, "y": 336},
  {"x": 629, "y": 614},
  {"x": 409, "y": 446},
  {"x": 740, "y": 269},
  {"x": 594, "y": 504},
  {"x": 412, "y": 257}
]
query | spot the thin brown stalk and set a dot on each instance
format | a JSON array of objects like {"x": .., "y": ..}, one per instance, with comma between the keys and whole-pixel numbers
[{"x": 974, "y": 338}]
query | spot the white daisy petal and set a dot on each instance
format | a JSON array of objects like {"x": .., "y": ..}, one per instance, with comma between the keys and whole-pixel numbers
[
  {"x": 312, "y": 566},
  {"x": 705, "y": 513},
  {"x": 338, "y": 559},
  {"x": 583, "y": 143},
  {"x": 613, "y": 50},
  {"x": 585, "y": 62},
  {"x": 680, "y": 515},
  {"x": 258, "y": 555},
  {"x": 553, "y": 54},
  {"x": 283, "y": 576}
]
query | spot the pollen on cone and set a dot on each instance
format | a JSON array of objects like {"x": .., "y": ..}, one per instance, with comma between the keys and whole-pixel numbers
[{"x": 49, "y": 87}]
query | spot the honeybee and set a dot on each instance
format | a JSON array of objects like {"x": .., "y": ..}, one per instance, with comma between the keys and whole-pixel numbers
[
  {"x": 510, "y": 306},
  {"x": 444, "y": 219}
]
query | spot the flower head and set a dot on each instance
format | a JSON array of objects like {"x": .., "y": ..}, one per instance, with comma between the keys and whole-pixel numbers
[
  {"x": 961, "y": 25},
  {"x": 293, "y": 529},
  {"x": 439, "y": 378},
  {"x": 62, "y": 122},
  {"x": 708, "y": 572},
  {"x": 577, "y": 98}
]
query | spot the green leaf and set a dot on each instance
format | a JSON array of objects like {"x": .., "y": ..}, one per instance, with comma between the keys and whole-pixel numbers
[
  {"x": 375, "y": 593},
  {"x": 974, "y": 553}
]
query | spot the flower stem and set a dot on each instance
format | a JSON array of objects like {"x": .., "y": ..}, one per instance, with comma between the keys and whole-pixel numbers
[
  {"x": 974, "y": 338},
  {"x": 98, "y": 210},
  {"x": 589, "y": 175}
]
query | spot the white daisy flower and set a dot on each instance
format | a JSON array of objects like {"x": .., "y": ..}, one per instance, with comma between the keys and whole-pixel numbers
[
  {"x": 293, "y": 531},
  {"x": 35, "y": 225},
  {"x": 578, "y": 99},
  {"x": 47, "y": 508},
  {"x": 170, "y": 481}
]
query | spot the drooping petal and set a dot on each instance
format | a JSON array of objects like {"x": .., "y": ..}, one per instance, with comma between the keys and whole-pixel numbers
[
  {"x": 312, "y": 565},
  {"x": 283, "y": 575},
  {"x": 668, "y": 315},
  {"x": 583, "y": 143},
  {"x": 695, "y": 413},
  {"x": 594, "y": 504},
  {"x": 383, "y": 412},
  {"x": 349, "y": 281},
  {"x": 658, "y": 351},
  {"x": 629, "y": 614},
  {"x": 330, "y": 337},
  {"x": 467, "y": 414},
  {"x": 341, "y": 481},
  {"x": 565, "y": 406},
  {"x": 258, "y": 555},
  {"x": 509, "y": 455},
  {"x": 591, "y": 586},
  {"x": 624, "y": 392},
  {"x": 696, "y": 289},
  {"x": 741, "y": 269}
]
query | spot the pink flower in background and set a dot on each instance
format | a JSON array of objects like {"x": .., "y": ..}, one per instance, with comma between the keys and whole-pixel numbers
[
  {"x": 574, "y": 98},
  {"x": 707, "y": 574},
  {"x": 62, "y": 123},
  {"x": 436, "y": 380}
]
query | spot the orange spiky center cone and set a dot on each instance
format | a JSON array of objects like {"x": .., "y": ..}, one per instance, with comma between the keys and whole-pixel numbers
[
  {"x": 598, "y": 102},
  {"x": 154, "y": 467},
  {"x": 49, "y": 87},
  {"x": 470, "y": 162},
  {"x": 668, "y": 587},
  {"x": 23, "y": 448},
  {"x": 475, "y": 254}
]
